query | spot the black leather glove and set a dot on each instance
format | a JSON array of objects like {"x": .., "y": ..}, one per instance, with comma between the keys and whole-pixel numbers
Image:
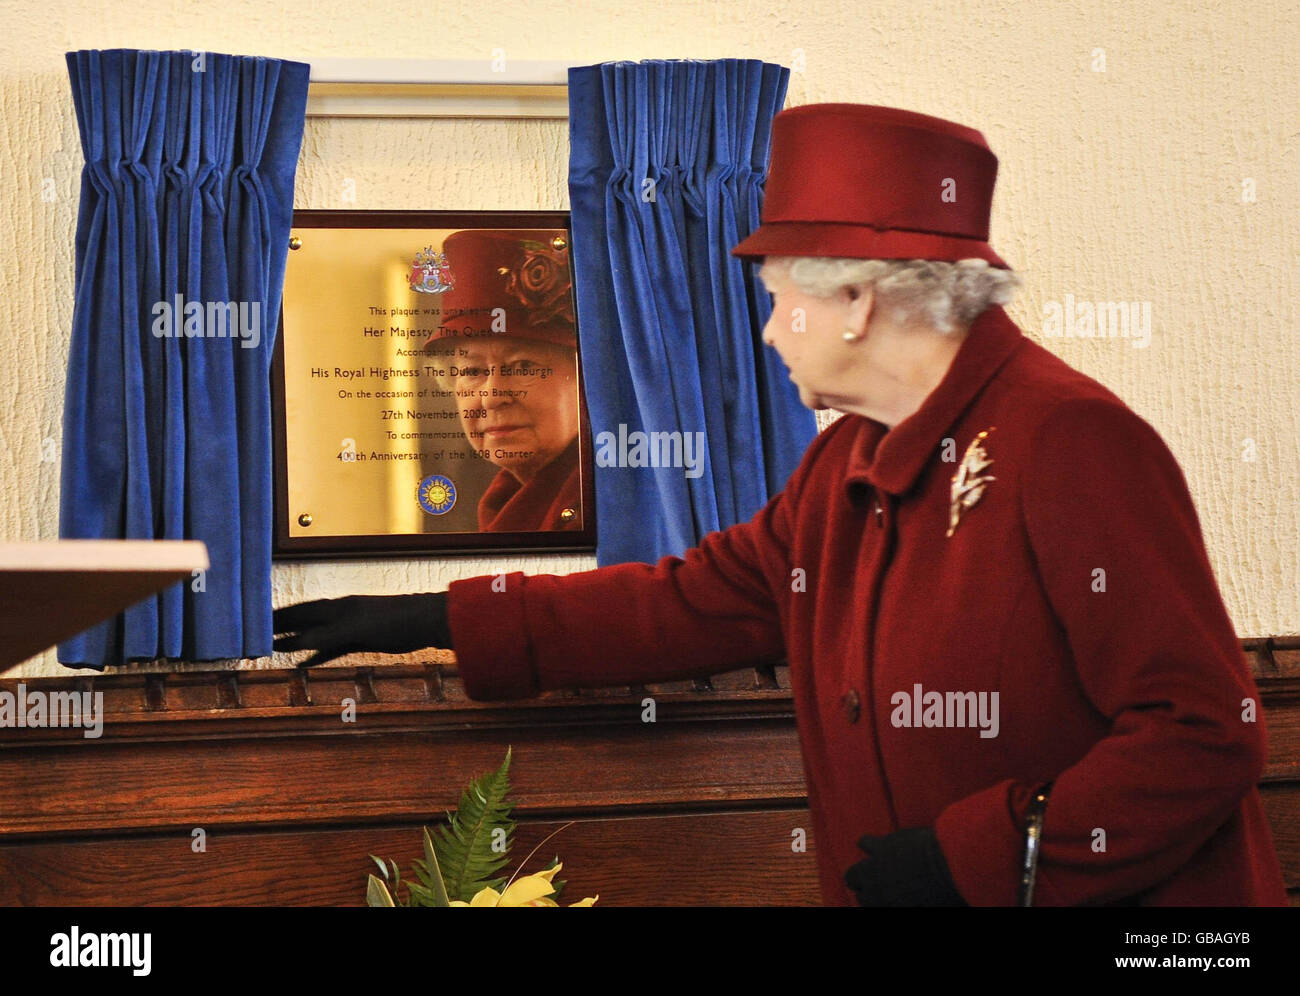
[
  {"x": 905, "y": 868},
  {"x": 389, "y": 624}
]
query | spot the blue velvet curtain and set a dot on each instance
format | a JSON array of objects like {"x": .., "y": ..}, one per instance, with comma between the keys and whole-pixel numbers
[
  {"x": 186, "y": 196},
  {"x": 670, "y": 322}
]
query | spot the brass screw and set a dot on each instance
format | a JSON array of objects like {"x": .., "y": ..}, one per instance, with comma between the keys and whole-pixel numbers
[
  {"x": 559, "y": 242},
  {"x": 304, "y": 519},
  {"x": 566, "y": 515},
  {"x": 295, "y": 242}
]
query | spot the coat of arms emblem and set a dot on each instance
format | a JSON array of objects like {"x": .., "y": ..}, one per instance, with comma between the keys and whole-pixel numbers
[{"x": 430, "y": 272}]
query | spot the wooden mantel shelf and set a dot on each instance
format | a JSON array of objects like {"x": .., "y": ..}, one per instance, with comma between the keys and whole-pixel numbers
[
  {"x": 697, "y": 808},
  {"x": 54, "y": 590}
]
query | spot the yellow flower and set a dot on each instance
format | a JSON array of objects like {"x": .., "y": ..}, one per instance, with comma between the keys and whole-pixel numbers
[{"x": 529, "y": 890}]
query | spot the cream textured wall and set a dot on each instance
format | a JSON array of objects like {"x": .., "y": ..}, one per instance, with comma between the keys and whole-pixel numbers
[{"x": 1116, "y": 185}]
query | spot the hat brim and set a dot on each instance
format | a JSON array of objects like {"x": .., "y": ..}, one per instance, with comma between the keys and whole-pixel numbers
[{"x": 817, "y": 238}]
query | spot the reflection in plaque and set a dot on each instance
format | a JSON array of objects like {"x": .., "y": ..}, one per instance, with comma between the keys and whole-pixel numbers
[
  {"x": 507, "y": 349},
  {"x": 427, "y": 386}
]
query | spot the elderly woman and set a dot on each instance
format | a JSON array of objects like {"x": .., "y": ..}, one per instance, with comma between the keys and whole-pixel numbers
[
  {"x": 988, "y": 577},
  {"x": 516, "y": 381},
  {"x": 525, "y": 420}
]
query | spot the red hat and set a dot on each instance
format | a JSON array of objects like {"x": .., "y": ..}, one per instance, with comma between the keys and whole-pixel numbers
[
  {"x": 524, "y": 272},
  {"x": 870, "y": 182}
]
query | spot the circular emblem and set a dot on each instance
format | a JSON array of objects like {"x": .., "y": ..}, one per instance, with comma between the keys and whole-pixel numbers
[{"x": 436, "y": 494}]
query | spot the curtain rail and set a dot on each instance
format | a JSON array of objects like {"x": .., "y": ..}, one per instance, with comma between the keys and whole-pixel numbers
[{"x": 438, "y": 88}]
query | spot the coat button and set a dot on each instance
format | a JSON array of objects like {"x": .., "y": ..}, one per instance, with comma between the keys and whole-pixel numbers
[{"x": 851, "y": 705}]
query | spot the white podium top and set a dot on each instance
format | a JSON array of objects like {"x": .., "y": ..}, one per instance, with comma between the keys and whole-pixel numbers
[{"x": 51, "y": 591}]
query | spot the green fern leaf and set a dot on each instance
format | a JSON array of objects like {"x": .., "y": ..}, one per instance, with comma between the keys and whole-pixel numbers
[
  {"x": 420, "y": 896},
  {"x": 463, "y": 847}
]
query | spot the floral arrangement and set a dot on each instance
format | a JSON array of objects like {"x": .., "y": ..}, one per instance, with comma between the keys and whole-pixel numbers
[{"x": 463, "y": 859}]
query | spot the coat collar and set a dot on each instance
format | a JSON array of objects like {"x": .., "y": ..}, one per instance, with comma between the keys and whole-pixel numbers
[
  {"x": 508, "y": 506},
  {"x": 892, "y": 460}
]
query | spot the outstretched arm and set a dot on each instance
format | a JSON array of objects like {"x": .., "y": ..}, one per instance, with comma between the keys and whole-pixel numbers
[
  {"x": 711, "y": 610},
  {"x": 716, "y": 608}
]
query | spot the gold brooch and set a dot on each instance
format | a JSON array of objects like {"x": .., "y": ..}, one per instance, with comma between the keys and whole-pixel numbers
[{"x": 969, "y": 481}]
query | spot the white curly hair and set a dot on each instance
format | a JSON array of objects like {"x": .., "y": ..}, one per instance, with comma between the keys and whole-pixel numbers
[{"x": 940, "y": 292}]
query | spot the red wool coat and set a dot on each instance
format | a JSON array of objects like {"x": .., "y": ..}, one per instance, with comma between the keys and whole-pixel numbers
[{"x": 1076, "y": 587}]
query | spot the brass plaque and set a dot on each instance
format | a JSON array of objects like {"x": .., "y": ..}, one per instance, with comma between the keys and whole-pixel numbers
[{"x": 427, "y": 386}]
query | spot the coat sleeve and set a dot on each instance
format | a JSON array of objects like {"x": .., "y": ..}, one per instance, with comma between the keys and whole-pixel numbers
[
  {"x": 710, "y": 611},
  {"x": 1155, "y": 653}
]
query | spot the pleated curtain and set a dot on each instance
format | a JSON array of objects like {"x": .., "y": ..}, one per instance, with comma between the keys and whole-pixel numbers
[
  {"x": 187, "y": 191},
  {"x": 667, "y": 164}
]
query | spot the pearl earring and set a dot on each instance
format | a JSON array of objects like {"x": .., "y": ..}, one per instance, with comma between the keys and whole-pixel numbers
[{"x": 850, "y": 336}]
